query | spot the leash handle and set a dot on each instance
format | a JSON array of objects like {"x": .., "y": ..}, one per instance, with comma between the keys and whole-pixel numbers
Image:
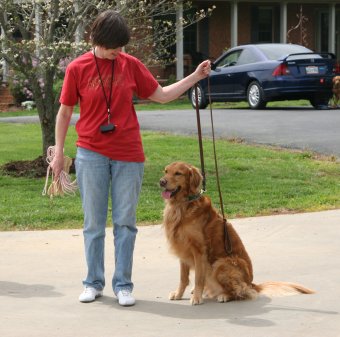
[
  {"x": 199, "y": 131},
  {"x": 227, "y": 241},
  {"x": 215, "y": 156}
]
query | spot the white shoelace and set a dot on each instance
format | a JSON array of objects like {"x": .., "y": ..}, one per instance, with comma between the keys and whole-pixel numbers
[{"x": 126, "y": 292}]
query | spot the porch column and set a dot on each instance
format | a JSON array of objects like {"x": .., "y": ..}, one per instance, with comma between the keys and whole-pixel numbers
[
  {"x": 283, "y": 22},
  {"x": 233, "y": 24},
  {"x": 331, "y": 33},
  {"x": 179, "y": 41}
]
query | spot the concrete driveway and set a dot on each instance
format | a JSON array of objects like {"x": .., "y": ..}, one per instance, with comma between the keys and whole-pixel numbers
[{"x": 41, "y": 273}]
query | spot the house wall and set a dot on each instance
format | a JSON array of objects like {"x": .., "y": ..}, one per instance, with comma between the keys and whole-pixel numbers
[
  {"x": 244, "y": 23},
  {"x": 310, "y": 12},
  {"x": 219, "y": 30},
  {"x": 219, "y": 24}
]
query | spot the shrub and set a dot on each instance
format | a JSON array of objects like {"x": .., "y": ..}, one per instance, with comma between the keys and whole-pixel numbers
[{"x": 20, "y": 88}]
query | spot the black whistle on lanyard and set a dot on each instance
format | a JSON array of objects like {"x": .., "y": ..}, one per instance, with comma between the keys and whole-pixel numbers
[{"x": 107, "y": 128}]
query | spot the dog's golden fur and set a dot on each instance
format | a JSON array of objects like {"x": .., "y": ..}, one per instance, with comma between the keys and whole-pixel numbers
[
  {"x": 336, "y": 91},
  {"x": 195, "y": 232}
]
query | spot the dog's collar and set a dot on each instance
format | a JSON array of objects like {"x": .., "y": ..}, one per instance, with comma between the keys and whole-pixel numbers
[{"x": 194, "y": 196}]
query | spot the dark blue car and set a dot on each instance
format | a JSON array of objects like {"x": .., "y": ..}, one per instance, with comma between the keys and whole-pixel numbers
[{"x": 268, "y": 72}]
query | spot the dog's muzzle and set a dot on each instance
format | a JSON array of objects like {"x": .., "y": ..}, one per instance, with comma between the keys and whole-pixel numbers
[{"x": 167, "y": 194}]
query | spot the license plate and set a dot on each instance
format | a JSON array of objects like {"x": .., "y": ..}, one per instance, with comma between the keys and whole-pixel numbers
[{"x": 311, "y": 70}]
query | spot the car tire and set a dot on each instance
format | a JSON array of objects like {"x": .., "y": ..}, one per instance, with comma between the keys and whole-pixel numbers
[
  {"x": 202, "y": 101},
  {"x": 319, "y": 102},
  {"x": 255, "y": 96}
]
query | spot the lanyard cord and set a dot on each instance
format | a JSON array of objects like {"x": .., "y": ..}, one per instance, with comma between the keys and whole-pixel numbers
[
  {"x": 107, "y": 100},
  {"x": 227, "y": 240}
]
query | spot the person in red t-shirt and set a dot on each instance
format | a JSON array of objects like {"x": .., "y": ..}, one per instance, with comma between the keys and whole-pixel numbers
[{"x": 110, "y": 157}]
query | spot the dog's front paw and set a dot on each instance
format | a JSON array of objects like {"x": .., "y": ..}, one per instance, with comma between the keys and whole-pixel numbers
[
  {"x": 195, "y": 300},
  {"x": 175, "y": 295}
]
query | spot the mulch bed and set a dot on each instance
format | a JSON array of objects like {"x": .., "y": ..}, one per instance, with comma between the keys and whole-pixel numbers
[
  {"x": 36, "y": 168},
  {"x": 26, "y": 168}
]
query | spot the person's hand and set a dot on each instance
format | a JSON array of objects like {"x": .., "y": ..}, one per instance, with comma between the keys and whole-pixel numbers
[
  {"x": 203, "y": 69},
  {"x": 57, "y": 165}
]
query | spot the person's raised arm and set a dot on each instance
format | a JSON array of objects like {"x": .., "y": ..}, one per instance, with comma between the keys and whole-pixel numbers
[{"x": 173, "y": 91}]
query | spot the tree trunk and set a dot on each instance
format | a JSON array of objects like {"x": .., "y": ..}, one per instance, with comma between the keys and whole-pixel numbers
[
  {"x": 47, "y": 109},
  {"x": 47, "y": 124}
]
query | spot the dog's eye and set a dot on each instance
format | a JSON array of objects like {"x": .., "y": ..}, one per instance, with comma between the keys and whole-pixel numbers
[{"x": 178, "y": 173}]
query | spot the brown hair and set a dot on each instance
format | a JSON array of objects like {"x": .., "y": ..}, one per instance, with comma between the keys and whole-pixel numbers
[{"x": 110, "y": 30}]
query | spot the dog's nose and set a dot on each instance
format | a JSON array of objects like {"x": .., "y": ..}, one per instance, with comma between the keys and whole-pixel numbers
[{"x": 162, "y": 182}]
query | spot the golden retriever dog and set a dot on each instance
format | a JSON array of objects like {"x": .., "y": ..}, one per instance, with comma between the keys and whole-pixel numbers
[
  {"x": 336, "y": 91},
  {"x": 195, "y": 232}
]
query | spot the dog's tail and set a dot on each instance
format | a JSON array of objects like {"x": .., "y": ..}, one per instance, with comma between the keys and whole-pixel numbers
[{"x": 280, "y": 289}]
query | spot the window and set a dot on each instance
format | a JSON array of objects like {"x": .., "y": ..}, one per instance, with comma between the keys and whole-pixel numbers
[
  {"x": 265, "y": 25},
  {"x": 276, "y": 52},
  {"x": 230, "y": 59},
  {"x": 247, "y": 57},
  {"x": 323, "y": 28}
]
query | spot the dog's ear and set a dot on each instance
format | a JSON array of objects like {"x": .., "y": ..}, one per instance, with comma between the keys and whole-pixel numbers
[{"x": 195, "y": 180}]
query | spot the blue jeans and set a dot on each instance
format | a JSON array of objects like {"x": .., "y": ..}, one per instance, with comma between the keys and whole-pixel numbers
[{"x": 95, "y": 174}]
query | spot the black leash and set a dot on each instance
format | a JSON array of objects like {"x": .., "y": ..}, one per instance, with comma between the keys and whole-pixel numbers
[{"x": 227, "y": 240}]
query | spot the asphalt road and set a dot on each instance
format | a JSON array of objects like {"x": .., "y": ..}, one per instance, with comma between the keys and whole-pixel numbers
[
  {"x": 297, "y": 128},
  {"x": 306, "y": 129}
]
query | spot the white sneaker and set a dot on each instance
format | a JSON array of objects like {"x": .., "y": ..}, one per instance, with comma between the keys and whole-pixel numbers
[
  {"x": 125, "y": 298},
  {"x": 90, "y": 294}
]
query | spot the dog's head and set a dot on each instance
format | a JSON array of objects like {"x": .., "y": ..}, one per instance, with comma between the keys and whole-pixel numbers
[
  {"x": 181, "y": 181},
  {"x": 336, "y": 82}
]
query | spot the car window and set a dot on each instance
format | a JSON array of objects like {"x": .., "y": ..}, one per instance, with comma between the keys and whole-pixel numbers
[
  {"x": 247, "y": 56},
  {"x": 276, "y": 51},
  {"x": 230, "y": 59}
]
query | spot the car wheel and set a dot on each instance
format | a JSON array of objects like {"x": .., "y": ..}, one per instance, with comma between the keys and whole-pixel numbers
[
  {"x": 202, "y": 102},
  {"x": 319, "y": 102},
  {"x": 255, "y": 96}
]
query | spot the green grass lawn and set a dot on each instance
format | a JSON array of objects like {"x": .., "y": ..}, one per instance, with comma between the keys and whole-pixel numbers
[
  {"x": 254, "y": 180},
  {"x": 184, "y": 103}
]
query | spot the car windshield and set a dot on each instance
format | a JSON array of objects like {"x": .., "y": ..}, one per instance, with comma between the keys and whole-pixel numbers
[{"x": 277, "y": 52}]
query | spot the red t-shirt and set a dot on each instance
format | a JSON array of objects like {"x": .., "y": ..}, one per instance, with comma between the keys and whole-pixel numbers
[{"x": 82, "y": 84}]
